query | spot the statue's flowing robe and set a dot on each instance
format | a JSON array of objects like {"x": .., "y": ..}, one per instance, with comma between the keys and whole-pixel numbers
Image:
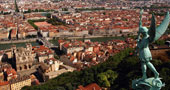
[{"x": 144, "y": 52}]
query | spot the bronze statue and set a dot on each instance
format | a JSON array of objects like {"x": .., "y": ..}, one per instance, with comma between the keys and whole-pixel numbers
[{"x": 149, "y": 36}]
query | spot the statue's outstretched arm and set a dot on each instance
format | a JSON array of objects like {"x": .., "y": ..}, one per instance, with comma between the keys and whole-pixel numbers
[
  {"x": 140, "y": 25},
  {"x": 140, "y": 22}
]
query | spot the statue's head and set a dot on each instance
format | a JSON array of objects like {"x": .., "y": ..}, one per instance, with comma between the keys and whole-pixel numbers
[{"x": 143, "y": 30}]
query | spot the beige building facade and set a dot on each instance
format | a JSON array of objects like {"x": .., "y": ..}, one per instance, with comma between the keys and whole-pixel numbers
[
  {"x": 23, "y": 57},
  {"x": 17, "y": 84}
]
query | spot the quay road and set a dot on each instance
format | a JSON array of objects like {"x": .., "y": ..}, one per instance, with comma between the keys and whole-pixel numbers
[
  {"x": 34, "y": 39},
  {"x": 87, "y": 36},
  {"x": 17, "y": 41},
  {"x": 45, "y": 41}
]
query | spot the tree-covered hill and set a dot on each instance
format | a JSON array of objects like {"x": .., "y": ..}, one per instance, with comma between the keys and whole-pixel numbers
[{"x": 116, "y": 73}]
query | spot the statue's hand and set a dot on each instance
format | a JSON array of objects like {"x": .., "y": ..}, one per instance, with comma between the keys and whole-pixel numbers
[{"x": 141, "y": 11}]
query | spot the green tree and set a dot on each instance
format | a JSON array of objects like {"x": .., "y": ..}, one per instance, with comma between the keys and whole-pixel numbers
[
  {"x": 64, "y": 9},
  {"x": 160, "y": 42},
  {"x": 164, "y": 73},
  {"x": 48, "y": 15},
  {"x": 111, "y": 75},
  {"x": 16, "y": 7},
  {"x": 29, "y": 10},
  {"x": 59, "y": 88},
  {"x": 103, "y": 80},
  {"x": 107, "y": 78},
  {"x": 69, "y": 86},
  {"x": 36, "y": 10},
  {"x": 41, "y": 10}
]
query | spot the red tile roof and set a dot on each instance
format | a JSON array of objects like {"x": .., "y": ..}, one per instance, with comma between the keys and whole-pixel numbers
[
  {"x": 11, "y": 72},
  {"x": 92, "y": 86},
  {"x": 42, "y": 50},
  {"x": 4, "y": 83}
]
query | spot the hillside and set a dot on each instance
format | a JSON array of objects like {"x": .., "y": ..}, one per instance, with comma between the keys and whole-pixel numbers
[{"x": 123, "y": 68}]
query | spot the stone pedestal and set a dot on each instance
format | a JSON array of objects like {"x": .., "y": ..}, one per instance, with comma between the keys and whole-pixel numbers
[{"x": 147, "y": 84}]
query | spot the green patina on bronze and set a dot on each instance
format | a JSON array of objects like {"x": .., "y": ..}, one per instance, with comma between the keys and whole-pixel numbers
[{"x": 149, "y": 36}]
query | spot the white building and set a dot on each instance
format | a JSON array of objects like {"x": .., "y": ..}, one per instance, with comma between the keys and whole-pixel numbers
[{"x": 71, "y": 50}]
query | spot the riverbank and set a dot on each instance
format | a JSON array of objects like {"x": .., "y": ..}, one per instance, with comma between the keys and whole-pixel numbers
[
  {"x": 18, "y": 41},
  {"x": 8, "y": 45}
]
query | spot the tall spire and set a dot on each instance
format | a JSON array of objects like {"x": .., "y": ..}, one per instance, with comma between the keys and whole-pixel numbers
[{"x": 16, "y": 7}]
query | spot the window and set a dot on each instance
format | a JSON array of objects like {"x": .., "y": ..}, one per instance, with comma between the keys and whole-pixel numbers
[
  {"x": 29, "y": 66},
  {"x": 25, "y": 66},
  {"x": 20, "y": 68}
]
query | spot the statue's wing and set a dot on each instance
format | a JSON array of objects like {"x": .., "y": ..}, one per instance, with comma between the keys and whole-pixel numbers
[
  {"x": 152, "y": 29},
  {"x": 160, "y": 30}
]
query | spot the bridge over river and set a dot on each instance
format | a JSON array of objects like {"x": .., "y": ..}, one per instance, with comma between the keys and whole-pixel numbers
[{"x": 46, "y": 43}]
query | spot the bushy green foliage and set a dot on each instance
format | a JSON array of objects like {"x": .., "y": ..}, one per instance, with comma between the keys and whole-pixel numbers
[
  {"x": 48, "y": 15},
  {"x": 55, "y": 21},
  {"x": 32, "y": 24},
  {"x": 107, "y": 78},
  {"x": 4, "y": 13},
  {"x": 29, "y": 11},
  {"x": 64, "y": 9},
  {"x": 31, "y": 36},
  {"x": 160, "y": 42}
]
